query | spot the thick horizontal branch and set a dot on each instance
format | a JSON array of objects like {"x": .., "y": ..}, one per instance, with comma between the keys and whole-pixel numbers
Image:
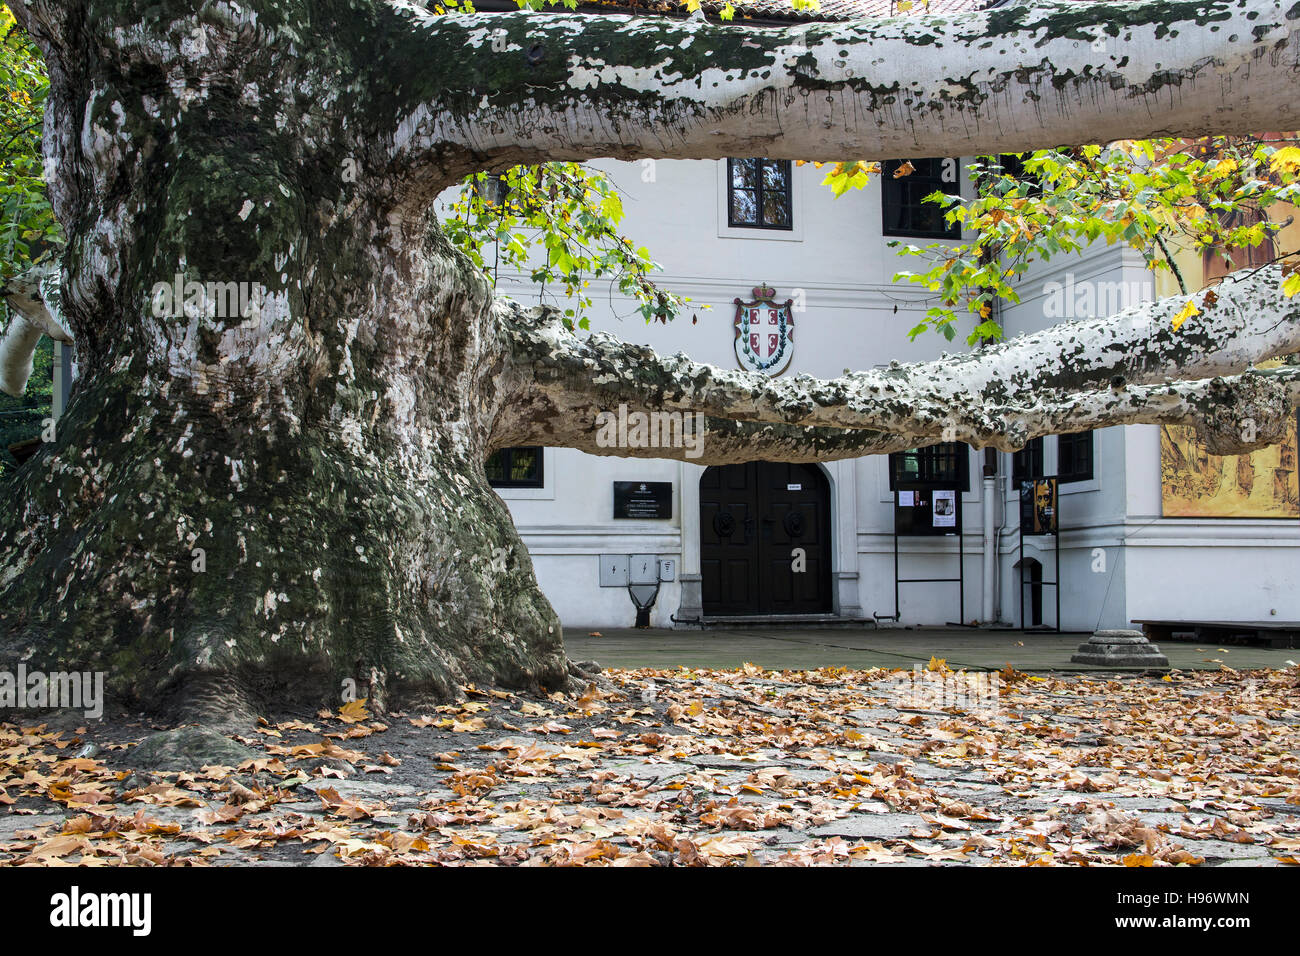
[
  {"x": 567, "y": 421},
  {"x": 1234, "y": 414},
  {"x": 469, "y": 91},
  {"x": 1000, "y": 396}
]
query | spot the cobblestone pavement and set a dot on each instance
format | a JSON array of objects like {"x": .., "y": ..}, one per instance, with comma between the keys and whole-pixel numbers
[
  {"x": 862, "y": 647},
  {"x": 706, "y": 767}
]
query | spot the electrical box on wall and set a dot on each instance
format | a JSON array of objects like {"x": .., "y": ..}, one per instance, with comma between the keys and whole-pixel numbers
[
  {"x": 613, "y": 571},
  {"x": 644, "y": 569},
  {"x": 667, "y": 569}
]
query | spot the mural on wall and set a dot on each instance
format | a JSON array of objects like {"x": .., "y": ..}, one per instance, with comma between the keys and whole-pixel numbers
[{"x": 1196, "y": 484}]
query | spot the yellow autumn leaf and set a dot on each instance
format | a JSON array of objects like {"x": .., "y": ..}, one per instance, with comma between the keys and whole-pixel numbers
[
  {"x": 937, "y": 664},
  {"x": 353, "y": 711},
  {"x": 1286, "y": 159},
  {"x": 1185, "y": 313},
  {"x": 1225, "y": 167},
  {"x": 1291, "y": 285}
]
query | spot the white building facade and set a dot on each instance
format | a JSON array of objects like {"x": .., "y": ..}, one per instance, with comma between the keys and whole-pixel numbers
[{"x": 733, "y": 540}]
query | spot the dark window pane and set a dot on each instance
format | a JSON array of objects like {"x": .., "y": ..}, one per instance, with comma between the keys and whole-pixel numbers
[
  {"x": 905, "y": 212},
  {"x": 774, "y": 176},
  {"x": 1027, "y": 463},
  {"x": 927, "y": 218},
  {"x": 774, "y": 211},
  {"x": 744, "y": 209},
  {"x": 744, "y": 173},
  {"x": 523, "y": 464},
  {"x": 1074, "y": 453},
  {"x": 492, "y": 188},
  {"x": 942, "y": 466},
  {"x": 519, "y": 467}
]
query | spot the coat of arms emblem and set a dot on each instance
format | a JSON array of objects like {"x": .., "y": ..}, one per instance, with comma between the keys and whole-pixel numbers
[{"x": 764, "y": 332}]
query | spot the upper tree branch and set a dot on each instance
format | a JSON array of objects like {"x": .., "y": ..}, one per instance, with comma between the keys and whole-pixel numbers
[{"x": 469, "y": 91}]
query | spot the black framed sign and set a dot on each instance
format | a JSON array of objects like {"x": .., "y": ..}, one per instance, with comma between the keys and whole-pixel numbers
[
  {"x": 1040, "y": 515},
  {"x": 925, "y": 510},
  {"x": 643, "y": 499}
]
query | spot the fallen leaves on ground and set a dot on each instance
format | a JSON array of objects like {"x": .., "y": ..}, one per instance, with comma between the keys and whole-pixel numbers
[{"x": 699, "y": 767}]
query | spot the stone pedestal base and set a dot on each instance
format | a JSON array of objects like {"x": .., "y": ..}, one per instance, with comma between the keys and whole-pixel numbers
[
  {"x": 1120, "y": 648},
  {"x": 691, "y": 607}
]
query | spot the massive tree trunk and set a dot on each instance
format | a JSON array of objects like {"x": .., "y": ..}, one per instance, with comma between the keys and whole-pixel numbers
[
  {"x": 263, "y": 497},
  {"x": 250, "y": 504}
]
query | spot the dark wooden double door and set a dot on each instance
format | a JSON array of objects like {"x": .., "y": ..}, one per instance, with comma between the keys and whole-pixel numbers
[{"x": 765, "y": 539}]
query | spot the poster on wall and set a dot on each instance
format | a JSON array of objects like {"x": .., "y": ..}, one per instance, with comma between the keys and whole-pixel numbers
[
  {"x": 1197, "y": 484},
  {"x": 1038, "y": 506},
  {"x": 945, "y": 509}
]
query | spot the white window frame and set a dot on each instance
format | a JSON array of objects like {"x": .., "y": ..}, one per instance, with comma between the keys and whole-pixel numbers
[{"x": 793, "y": 234}]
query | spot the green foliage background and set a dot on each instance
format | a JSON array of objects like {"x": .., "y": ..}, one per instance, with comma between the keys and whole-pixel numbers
[{"x": 28, "y": 229}]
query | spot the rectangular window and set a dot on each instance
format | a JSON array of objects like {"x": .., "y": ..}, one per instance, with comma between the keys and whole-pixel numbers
[
  {"x": 1074, "y": 457},
  {"x": 1013, "y": 165},
  {"x": 519, "y": 467},
  {"x": 940, "y": 466},
  {"x": 1027, "y": 464},
  {"x": 758, "y": 194},
  {"x": 904, "y": 184}
]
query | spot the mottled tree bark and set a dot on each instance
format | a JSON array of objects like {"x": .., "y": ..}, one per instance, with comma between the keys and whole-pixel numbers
[
  {"x": 254, "y": 507},
  {"x": 1041, "y": 74},
  {"x": 1128, "y": 368},
  {"x": 248, "y": 505}
]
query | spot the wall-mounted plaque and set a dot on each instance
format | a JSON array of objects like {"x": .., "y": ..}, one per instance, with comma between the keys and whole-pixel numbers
[{"x": 643, "y": 499}]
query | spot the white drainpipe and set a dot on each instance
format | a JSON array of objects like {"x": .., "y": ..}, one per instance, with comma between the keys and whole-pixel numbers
[{"x": 988, "y": 613}]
